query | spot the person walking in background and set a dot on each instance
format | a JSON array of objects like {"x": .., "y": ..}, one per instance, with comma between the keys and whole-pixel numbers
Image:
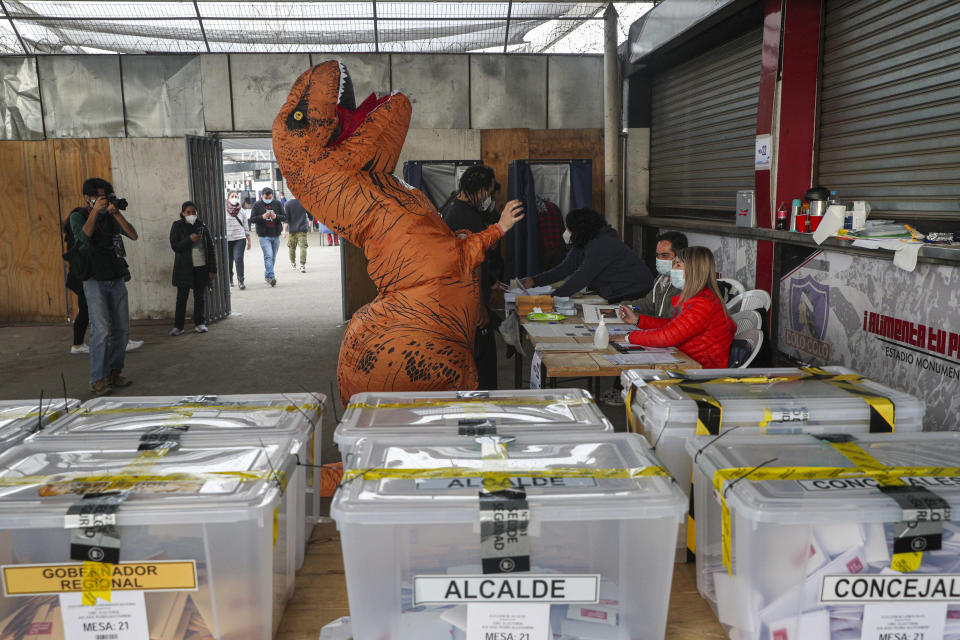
[
  {"x": 297, "y": 226},
  {"x": 268, "y": 215},
  {"x": 238, "y": 236},
  {"x": 194, "y": 265},
  {"x": 329, "y": 238}
]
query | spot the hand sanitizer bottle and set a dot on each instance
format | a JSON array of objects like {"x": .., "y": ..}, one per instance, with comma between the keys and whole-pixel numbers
[{"x": 601, "y": 338}]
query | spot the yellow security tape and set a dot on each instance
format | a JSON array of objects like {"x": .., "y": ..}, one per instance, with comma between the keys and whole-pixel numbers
[
  {"x": 187, "y": 409},
  {"x": 97, "y": 582},
  {"x": 628, "y": 404},
  {"x": 570, "y": 402}
]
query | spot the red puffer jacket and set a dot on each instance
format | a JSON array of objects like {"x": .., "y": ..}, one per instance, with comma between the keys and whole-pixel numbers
[{"x": 699, "y": 328}]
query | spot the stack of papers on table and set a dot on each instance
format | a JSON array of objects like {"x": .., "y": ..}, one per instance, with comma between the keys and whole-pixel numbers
[
  {"x": 551, "y": 330},
  {"x": 643, "y": 357},
  {"x": 593, "y": 312}
]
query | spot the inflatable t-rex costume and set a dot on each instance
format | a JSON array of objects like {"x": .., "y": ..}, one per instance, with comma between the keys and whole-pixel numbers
[{"x": 337, "y": 158}]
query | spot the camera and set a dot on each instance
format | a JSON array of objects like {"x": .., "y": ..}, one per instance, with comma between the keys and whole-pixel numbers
[{"x": 120, "y": 203}]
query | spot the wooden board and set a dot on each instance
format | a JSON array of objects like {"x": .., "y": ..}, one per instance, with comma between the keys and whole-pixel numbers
[
  {"x": 321, "y": 596},
  {"x": 42, "y": 184},
  {"x": 500, "y": 147}
]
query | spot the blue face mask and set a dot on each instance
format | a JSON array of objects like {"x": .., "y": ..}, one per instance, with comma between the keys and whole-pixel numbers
[{"x": 676, "y": 278}]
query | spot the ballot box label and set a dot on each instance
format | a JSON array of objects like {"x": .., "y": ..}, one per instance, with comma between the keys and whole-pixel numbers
[
  {"x": 863, "y": 589},
  {"x": 870, "y": 484},
  {"x": 124, "y": 617},
  {"x": 508, "y": 621},
  {"x": 41, "y": 579},
  {"x": 549, "y": 588},
  {"x": 443, "y": 484},
  {"x": 913, "y": 621}
]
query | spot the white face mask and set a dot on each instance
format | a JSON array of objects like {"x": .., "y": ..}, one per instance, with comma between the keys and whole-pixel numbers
[
  {"x": 234, "y": 200},
  {"x": 485, "y": 205},
  {"x": 190, "y": 219},
  {"x": 676, "y": 278},
  {"x": 267, "y": 200},
  {"x": 566, "y": 236},
  {"x": 664, "y": 266}
]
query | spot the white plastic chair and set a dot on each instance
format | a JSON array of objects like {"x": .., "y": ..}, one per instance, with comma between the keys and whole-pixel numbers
[
  {"x": 735, "y": 286},
  {"x": 754, "y": 337},
  {"x": 753, "y": 299},
  {"x": 746, "y": 320}
]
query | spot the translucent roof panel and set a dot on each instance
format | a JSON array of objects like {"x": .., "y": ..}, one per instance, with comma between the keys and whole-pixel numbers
[{"x": 158, "y": 26}]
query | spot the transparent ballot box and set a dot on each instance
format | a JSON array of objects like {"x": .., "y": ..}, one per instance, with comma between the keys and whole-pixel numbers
[
  {"x": 830, "y": 536},
  {"x": 670, "y": 411},
  {"x": 199, "y": 537},
  {"x": 437, "y": 530},
  {"x": 20, "y": 418},
  {"x": 232, "y": 418},
  {"x": 441, "y": 413}
]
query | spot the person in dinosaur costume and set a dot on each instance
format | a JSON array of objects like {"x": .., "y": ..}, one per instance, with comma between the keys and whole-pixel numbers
[{"x": 418, "y": 334}]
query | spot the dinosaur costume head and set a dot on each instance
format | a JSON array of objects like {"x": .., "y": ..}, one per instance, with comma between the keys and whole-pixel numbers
[
  {"x": 321, "y": 122},
  {"x": 338, "y": 158}
]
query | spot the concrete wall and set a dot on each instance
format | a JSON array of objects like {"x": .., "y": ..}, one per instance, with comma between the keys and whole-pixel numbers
[
  {"x": 152, "y": 174},
  {"x": 638, "y": 172}
]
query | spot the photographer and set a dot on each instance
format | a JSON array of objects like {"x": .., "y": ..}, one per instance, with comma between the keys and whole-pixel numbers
[{"x": 100, "y": 263}]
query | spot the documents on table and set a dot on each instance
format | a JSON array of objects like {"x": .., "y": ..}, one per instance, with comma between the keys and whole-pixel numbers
[
  {"x": 565, "y": 346},
  {"x": 593, "y": 312},
  {"x": 643, "y": 357},
  {"x": 535, "y": 330}
]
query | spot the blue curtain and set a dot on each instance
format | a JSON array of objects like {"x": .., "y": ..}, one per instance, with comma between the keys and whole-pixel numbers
[
  {"x": 581, "y": 184},
  {"x": 413, "y": 173},
  {"x": 523, "y": 249}
]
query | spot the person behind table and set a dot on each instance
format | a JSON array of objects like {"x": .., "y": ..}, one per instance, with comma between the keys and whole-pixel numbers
[
  {"x": 238, "y": 235},
  {"x": 469, "y": 210},
  {"x": 598, "y": 259},
  {"x": 657, "y": 301},
  {"x": 700, "y": 325},
  {"x": 194, "y": 265}
]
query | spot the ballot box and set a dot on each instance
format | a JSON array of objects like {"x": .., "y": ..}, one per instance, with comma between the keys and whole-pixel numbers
[
  {"x": 21, "y": 418},
  {"x": 833, "y": 537},
  {"x": 671, "y": 407},
  {"x": 447, "y": 533},
  {"x": 470, "y": 413},
  {"x": 231, "y": 418},
  {"x": 193, "y": 541}
]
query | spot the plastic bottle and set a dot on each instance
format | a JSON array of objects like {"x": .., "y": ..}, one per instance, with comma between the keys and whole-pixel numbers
[
  {"x": 794, "y": 212},
  {"x": 782, "y": 217},
  {"x": 601, "y": 337}
]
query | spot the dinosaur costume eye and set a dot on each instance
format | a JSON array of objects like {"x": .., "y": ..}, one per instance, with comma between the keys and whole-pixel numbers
[
  {"x": 298, "y": 118},
  {"x": 298, "y": 115}
]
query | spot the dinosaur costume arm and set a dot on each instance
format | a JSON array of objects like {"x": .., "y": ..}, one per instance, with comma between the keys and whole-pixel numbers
[{"x": 475, "y": 245}]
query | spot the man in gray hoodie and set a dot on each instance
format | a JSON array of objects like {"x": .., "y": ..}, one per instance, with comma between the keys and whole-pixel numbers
[{"x": 658, "y": 301}]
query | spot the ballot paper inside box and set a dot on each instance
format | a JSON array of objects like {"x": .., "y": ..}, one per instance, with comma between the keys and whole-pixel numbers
[
  {"x": 205, "y": 534},
  {"x": 242, "y": 418},
  {"x": 807, "y": 556},
  {"x": 468, "y": 413},
  {"x": 774, "y": 401},
  {"x": 417, "y": 554}
]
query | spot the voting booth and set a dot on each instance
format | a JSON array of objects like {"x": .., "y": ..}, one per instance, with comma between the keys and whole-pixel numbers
[
  {"x": 831, "y": 537},
  {"x": 671, "y": 408},
  {"x": 162, "y": 420},
  {"x": 445, "y": 532},
  {"x": 200, "y": 536},
  {"x": 468, "y": 413}
]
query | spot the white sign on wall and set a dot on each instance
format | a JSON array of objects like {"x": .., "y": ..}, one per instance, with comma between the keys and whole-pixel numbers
[
  {"x": 900, "y": 328},
  {"x": 763, "y": 152}
]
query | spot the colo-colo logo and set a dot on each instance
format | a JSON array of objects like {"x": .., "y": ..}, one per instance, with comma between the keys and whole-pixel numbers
[
  {"x": 579, "y": 589},
  {"x": 853, "y": 589}
]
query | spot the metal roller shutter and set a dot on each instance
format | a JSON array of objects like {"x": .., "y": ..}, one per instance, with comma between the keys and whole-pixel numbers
[
  {"x": 890, "y": 105},
  {"x": 704, "y": 123}
]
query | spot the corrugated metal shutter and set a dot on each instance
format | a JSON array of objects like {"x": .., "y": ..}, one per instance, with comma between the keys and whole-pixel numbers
[
  {"x": 703, "y": 129},
  {"x": 890, "y": 105}
]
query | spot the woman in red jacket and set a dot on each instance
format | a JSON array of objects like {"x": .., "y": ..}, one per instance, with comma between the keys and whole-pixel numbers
[{"x": 700, "y": 326}]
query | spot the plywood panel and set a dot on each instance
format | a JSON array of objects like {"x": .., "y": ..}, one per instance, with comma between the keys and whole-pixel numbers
[
  {"x": 572, "y": 144},
  {"x": 358, "y": 288},
  {"x": 32, "y": 287},
  {"x": 42, "y": 182},
  {"x": 500, "y": 147}
]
